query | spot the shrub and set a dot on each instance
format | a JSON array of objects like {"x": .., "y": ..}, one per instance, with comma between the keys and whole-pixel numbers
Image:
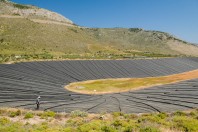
[
  {"x": 149, "y": 129},
  {"x": 132, "y": 116},
  {"x": 28, "y": 115},
  {"x": 179, "y": 113},
  {"x": 135, "y": 29},
  {"x": 74, "y": 122},
  {"x": 3, "y": 0},
  {"x": 46, "y": 56},
  {"x": 21, "y": 6},
  {"x": 47, "y": 114},
  {"x": 93, "y": 126},
  {"x": 141, "y": 120},
  {"x": 43, "y": 127},
  {"x": 78, "y": 113},
  {"x": 6, "y": 59},
  {"x": 12, "y": 114},
  {"x": 15, "y": 113},
  {"x": 108, "y": 129},
  {"x": 13, "y": 127},
  {"x": 162, "y": 115},
  {"x": 4, "y": 121},
  {"x": 154, "y": 118},
  {"x": 128, "y": 129},
  {"x": 117, "y": 123},
  {"x": 69, "y": 129},
  {"x": 117, "y": 114},
  {"x": 50, "y": 113},
  {"x": 16, "y": 14},
  {"x": 193, "y": 114},
  {"x": 186, "y": 124},
  {"x": 74, "y": 30}
]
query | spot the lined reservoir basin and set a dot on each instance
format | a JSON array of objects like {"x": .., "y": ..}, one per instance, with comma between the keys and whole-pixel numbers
[{"x": 21, "y": 83}]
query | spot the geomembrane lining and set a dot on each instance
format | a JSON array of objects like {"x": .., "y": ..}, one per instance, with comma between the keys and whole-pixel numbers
[{"x": 21, "y": 83}]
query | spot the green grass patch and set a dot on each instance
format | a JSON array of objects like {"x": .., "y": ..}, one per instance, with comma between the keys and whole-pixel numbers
[
  {"x": 127, "y": 84},
  {"x": 28, "y": 115}
]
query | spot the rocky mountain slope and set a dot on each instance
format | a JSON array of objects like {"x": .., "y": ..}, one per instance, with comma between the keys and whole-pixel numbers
[
  {"x": 9, "y": 9},
  {"x": 31, "y": 31}
]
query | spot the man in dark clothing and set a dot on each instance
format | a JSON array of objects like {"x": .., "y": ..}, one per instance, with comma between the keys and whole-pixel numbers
[{"x": 38, "y": 102}]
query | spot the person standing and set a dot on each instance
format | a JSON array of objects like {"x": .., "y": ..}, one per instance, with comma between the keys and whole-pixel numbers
[{"x": 38, "y": 102}]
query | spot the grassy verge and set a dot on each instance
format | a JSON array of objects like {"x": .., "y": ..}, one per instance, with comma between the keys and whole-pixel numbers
[
  {"x": 79, "y": 121},
  {"x": 24, "y": 57},
  {"x": 126, "y": 84}
]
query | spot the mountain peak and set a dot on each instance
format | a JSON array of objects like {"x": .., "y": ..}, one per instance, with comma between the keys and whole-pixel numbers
[{"x": 9, "y": 8}]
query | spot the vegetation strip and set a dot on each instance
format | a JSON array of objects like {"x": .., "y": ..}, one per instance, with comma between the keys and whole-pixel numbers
[
  {"x": 103, "y": 86},
  {"x": 23, "y": 120}
]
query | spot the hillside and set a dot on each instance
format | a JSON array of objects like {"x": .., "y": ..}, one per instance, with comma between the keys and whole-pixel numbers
[
  {"x": 31, "y": 32},
  {"x": 13, "y": 10}
]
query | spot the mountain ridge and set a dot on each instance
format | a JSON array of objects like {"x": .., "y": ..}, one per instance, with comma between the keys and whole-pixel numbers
[{"x": 32, "y": 12}]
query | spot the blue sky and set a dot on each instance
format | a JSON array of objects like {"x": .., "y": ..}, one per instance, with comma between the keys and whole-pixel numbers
[{"x": 178, "y": 17}]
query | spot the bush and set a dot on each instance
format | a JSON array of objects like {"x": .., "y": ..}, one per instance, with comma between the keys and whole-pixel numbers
[
  {"x": 78, "y": 113},
  {"x": 28, "y": 115},
  {"x": 193, "y": 114},
  {"x": 15, "y": 113},
  {"x": 93, "y": 126},
  {"x": 179, "y": 113},
  {"x": 21, "y": 6},
  {"x": 47, "y": 114},
  {"x": 117, "y": 114},
  {"x": 4, "y": 121},
  {"x": 3, "y": 0},
  {"x": 128, "y": 129},
  {"x": 43, "y": 127},
  {"x": 135, "y": 29},
  {"x": 74, "y": 122},
  {"x": 186, "y": 124},
  {"x": 69, "y": 129},
  {"x": 74, "y": 30},
  {"x": 149, "y": 129},
  {"x": 162, "y": 115},
  {"x": 13, "y": 127},
  {"x": 108, "y": 129},
  {"x": 117, "y": 123},
  {"x": 45, "y": 56}
]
